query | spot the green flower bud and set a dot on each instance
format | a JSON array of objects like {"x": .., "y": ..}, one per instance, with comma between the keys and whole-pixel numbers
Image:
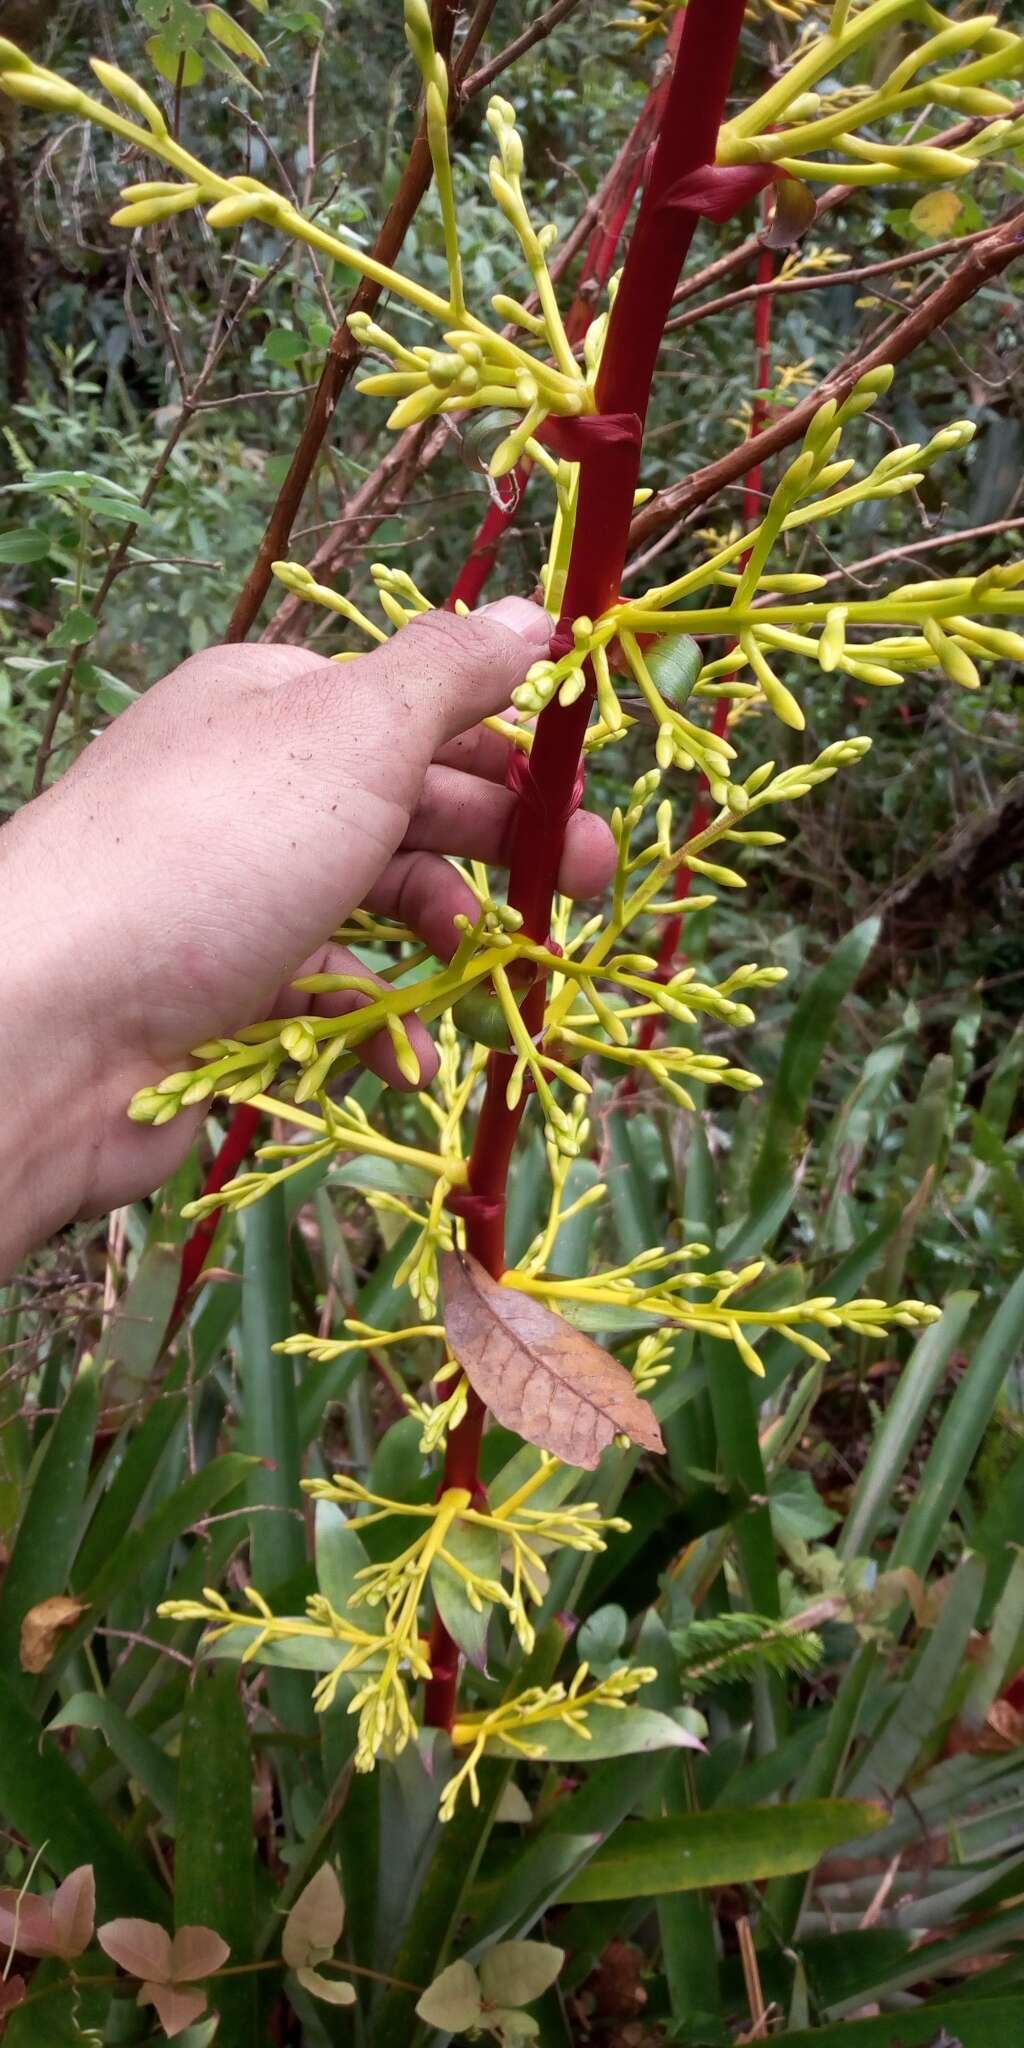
[
  {"x": 123, "y": 88},
  {"x": 13, "y": 59},
  {"x": 41, "y": 89}
]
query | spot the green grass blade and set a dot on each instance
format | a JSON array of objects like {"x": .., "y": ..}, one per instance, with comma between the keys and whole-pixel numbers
[
  {"x": 648, "y": 1858},
  {"x": 918, "y": 1384},
  {"x": 808, "y": 1034},
  {"x": 923, "y": 1693},
  {"x": 270, "y": 1429},
  {"x": 43, "y": 1799},
  {"x": 974, "y": 2023},
  {"x": 963, "y": 1427},
  {"x": 40, "y": 1563},
  {"x": 213, "y": 1865},
  {"x": 137, "y": 1751}
]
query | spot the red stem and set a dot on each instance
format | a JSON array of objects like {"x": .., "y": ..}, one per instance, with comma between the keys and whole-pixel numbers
[
  {"x": 240, "y": 1135},
  {"x": 609, "y": 467}
]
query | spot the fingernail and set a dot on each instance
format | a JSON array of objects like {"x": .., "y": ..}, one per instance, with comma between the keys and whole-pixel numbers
[{"x": 530, "y": 621}]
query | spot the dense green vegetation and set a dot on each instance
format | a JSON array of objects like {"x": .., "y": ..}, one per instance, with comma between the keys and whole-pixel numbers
[{"x": 824, "y": 1571}]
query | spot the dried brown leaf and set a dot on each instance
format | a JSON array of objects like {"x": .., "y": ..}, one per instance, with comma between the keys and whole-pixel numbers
[
  {"x": 792, "y": 215},
  {"x": 537, "y": 1374},
  {"x": 43, "y": 1628}
]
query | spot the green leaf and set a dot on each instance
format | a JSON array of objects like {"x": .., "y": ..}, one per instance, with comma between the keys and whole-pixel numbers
[
  {"x": 298, "y": 1653},
  {"x": 133, "y": 1339},
  {"x": 601, "y": 1639},
  {"x": 917, "y": 1386},
  {"x": 922, "y": 1702},
  {"x": 169, "y": 61},
  {"x": 44, "y": 1799},
  {"x": 75, "y": 628},
  {"x": 285, "y": 346},
  {"x": 231, "y": 33},
  {"x": 26, "y": 544},
  {"x": 114, "y": 696},
  {"x": 480, "y": 1551},
  {"x": 213, "y": 1864},
  {"x": 798, "y": 1512},
  {"x": 611, "y": 1731},
  {"x": 40, "y": 1563},
  {"x": 690, "y": 1852},
  {"x": 270, "y": 1429},
  {"x": 339, "y": 1557},
  {"x": 812, "y": 1024},
  {"x": 675, "y": 663},
  {"x": 135, "y": 1750},
  {"x": 971, "y": 2023},
  {"x": 197, "y": 1496},
  {"x": 963, "y": 1426}
]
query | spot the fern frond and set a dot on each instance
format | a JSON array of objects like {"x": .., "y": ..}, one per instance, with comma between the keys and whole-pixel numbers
[{"x": 732, "y": 1647}]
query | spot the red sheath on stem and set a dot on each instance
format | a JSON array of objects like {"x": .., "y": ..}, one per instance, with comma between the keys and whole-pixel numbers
[{"x": 609, "y": 458}]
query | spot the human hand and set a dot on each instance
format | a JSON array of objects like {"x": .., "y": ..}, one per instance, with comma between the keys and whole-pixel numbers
[{"x": 198, "y": 855}]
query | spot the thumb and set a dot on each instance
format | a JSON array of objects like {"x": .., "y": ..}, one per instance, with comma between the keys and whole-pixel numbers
[{"x": 442, "y": 674}]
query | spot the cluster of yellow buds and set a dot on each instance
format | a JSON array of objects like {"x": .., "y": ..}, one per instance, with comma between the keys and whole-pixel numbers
[
  {"x": 651, "y": 18},
  {"x": 472, "y": 1548},
  {"x": 648, "y": 1286},
  {"x": 524, "y": 1726},
  {"x": 791, "y": 121}
]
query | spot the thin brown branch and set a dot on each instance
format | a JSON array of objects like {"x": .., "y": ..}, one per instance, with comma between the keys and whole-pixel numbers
[
  {"x": 343, "y": 354},
  {"x": 987, "y": 259},
  {"x": 965, "y": 535},
  {"x": 821, "y": 280},
  {"x": 536, "y": 33}
]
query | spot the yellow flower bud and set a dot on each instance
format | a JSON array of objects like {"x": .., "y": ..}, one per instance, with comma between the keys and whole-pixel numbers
[
  {"x": 42, "y": 89},
  {"x": 121, "y": 87},
  {"x": 13, "y": 59},
  {"x": 230, "y": 213}
]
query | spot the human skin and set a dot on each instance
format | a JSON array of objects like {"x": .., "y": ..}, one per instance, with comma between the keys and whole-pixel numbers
[{"x": 197, "y": 857}]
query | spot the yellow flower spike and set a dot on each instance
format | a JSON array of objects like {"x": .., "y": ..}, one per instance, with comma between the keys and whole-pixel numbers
[
  {"x": 298, "y": 579},
  {"x": 518, "y": 1723}
]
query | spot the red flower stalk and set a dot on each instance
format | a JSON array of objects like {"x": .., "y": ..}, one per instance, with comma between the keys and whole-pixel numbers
[{"x": 607, "y": 446}]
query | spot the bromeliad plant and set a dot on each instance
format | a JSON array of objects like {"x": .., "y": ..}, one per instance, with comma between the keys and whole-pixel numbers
[{"x": 537, "y": 1001}]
